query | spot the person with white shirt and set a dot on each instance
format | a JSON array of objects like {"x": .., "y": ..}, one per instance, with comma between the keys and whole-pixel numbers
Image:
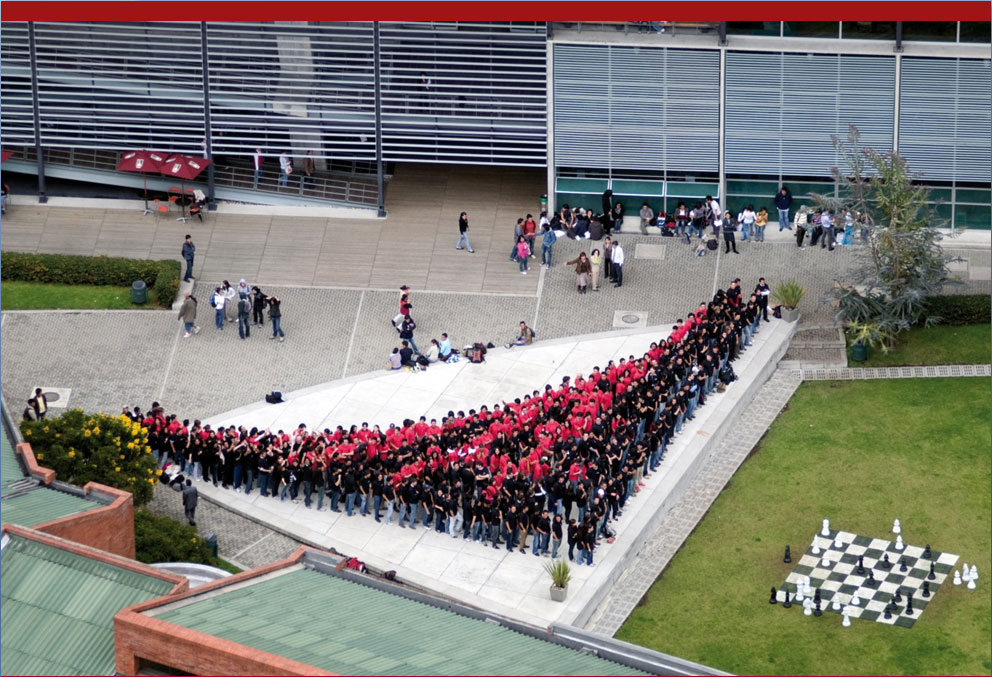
[
  {"x": 616, "y": 259},
  {"x": 285, "y": 168},
  {"x": 746, "y": 220},
  {"x": 827, "y": 224},
  {"x": 256, "y": 159},
  {"x": 217, "y": 300}
]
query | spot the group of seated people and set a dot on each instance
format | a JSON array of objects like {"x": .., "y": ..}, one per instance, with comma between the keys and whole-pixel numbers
[
  {"x": 406, "y": 356},
  {"x": 555, "y": 465}
]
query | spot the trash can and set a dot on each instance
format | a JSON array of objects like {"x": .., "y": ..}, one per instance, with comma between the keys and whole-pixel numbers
[
  {"x": 859, "y": 352},
  {"x": 211, "y": 540},
  {"x": 139, "y": 292},
  {"x": 544, "y": 203}
]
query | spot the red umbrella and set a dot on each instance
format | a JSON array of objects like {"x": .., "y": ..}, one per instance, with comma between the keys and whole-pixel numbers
[
  {"x": 5, "y": 156},
  {"x": 143, "y": 161},
  {"x": 186, "y": 168}
]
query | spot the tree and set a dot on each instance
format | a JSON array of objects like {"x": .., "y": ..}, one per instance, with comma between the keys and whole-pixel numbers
[{"x": 902, "y": 262}]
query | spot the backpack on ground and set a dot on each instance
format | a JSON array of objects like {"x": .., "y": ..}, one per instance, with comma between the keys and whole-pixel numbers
[
  {"x": 275, "y": 397},
  {"x": 477, "y": 353},
  {"x": 727, "y": 374}
]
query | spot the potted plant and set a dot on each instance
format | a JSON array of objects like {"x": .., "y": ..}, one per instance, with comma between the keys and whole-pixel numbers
[
  {"x": 560, "y": 574},
  {"x": 788, "y": 294}
]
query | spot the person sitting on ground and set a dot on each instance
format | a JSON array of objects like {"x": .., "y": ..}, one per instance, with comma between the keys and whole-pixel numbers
[
  {"x": 524, "y": 338},
  {"x": 395, "y": 361},
  {"x": 444, "y": 348},
  {"x": 406, "y": 354},
  {"x": 433, "y": 352}
]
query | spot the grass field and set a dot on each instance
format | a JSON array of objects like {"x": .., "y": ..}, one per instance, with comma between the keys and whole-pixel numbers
[
  {"x": 18, "y": 295},
  {"x": 970, "y": 344},
  {"x": 860, "y": 454}
]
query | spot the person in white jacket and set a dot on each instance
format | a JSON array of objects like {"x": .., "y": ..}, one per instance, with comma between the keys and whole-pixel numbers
[
  {"x": 217, "y": 300},
  {"x": 617, "y": 259}
]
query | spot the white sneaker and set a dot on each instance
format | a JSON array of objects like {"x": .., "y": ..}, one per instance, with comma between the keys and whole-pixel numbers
[
  {"x": 196, "y": 330},
  {"x": 281, "y": 339},
  {"x": 523, "y": 272},
  {"x": 186, "y": 335}
]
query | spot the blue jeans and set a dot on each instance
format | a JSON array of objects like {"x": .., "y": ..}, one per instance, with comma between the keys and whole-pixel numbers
[
  {"x": 390, "y": 505},
  {"x": 759, "y": 233},
  {"x": 276, "y": 327},
  {"x": 258, "y": 175},
  {"x": 237, "y": 477},
  {"x": 249, "y": 480},
  {"x": 546, "y": 256},
  {"x": 219, "y": 318},
  {"x": 244, "y": 331},
  {"x": 413, "y": 344},
  {"x": 189, "y": 269},
  {"x": 283, "y": 177},
  {"x": 783, "y": 220},
  {"x": 463, "y": 237},
  {"x": 744, "y": 231},
  {"x": 376, "y": 505},
  {"x": 321, "y": 491},
  {"x": 523, "y": 265},
  {"x": 363, "y": 505},
  {"x": 263, "y": 483},
  {"x": 349, "y": 503}
]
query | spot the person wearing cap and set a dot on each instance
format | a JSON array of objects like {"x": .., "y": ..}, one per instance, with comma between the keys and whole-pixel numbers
[{"x": 188, "y": 252}]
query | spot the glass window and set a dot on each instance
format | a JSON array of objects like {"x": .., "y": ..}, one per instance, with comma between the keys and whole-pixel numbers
[
  {"x": 975, "y": 31},
  {"x": 753, "y": 28},
  {"x": 811, "y": 29},
  {"x": 971, "y": 216},
  {"x": 973, "y": 195},
  {"x": 933, "y": 31},
  {"x": 870, "y": 30}
]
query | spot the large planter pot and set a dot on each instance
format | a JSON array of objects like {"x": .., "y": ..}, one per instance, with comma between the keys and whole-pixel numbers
[
  {"x": 859, "y": 352},
  {"x": 790, "y": 314},
  {"x": 558, "y": 594}
]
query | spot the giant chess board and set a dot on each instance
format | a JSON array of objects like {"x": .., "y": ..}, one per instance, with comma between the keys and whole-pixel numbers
[{"x": 839, "y": 578}]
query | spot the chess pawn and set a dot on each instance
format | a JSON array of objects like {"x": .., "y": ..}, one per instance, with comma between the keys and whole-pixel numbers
[
  {"x": 807, "y": 589},
  {"x": 825, "y": 531},
  {"x": 932, "y": 576},
  {"x": 855, "y": 600},
  {"x": 902, "y": 565},
  {"x": 965, "y": 572},
  {"x": 885, "y": 563},
  {"x": 957, "y": 577},
  {"x": 897, "y": 598},
  {"x": 816, "y": 596},
  {"x": 788, "y": 602},
  {"x": 837, "y": 542},
  {"x": 971, "y": 583},
  {"x": 815, "y": 548},
  {"x": 772, "y": 600},
  {"x": 788, "y": 556},
  {"x": 888, "y": 611},
  {"x": 847, "y": 620},
  {"x": 896, "y": 527},
  {"x": 871, "y": 578},
  {"x": 974, "y": 573},
  {"x": 807, "y": 608},
  {"x": 825, "y": 561},
  {"x": 927, "y": 552},
  {"x": 899, "y": 545},
  {"x": 835, "y": 603}
]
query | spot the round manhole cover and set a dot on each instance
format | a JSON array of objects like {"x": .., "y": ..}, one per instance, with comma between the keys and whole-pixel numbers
[
  {"x": 52, "y": 397},
  {"x": 630, "y": 318}
]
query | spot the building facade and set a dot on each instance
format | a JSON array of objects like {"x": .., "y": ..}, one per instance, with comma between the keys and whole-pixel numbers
[{"x": 661, "y": 111}]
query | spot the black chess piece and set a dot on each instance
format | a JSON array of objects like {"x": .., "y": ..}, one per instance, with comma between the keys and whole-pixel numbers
[
  {"x": 902, "y": 565},
  {"x": 897, "y": 598},
  {"x": 926, "y": 589},
  {"x": 909, "y": 603},
  {"x": 888, "y": 611},
  {"x": 871, "y": 582},
  {"x": 816, "y": 608},
  {"x": 788, "y": 556},
  {"x": 816, "y": 596},
  {"x": 931, "y": 576},
  {"x": 885, "y": 563},
  {"x": 927, "y": 554},
  {"x": 772, "y": 599},
  {"x": 861, "y": 565},
  {"x": 788, "y": 602}
]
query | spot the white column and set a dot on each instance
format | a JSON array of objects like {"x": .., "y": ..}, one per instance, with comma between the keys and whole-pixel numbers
[
  {"x": 551, "y": 128},
  {"x": 895, "y": 116},
  {"x": 723, "y": 127}
]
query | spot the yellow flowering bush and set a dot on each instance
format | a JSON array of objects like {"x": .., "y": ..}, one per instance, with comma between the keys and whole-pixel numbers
[{"x": 83, "y": 448}]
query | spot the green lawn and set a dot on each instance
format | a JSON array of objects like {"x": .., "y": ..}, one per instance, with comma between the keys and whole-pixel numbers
[
  {"x": 16, "y": 295},
  {"x": 941, "y": 344},
  {"x": 860, "y": 454}
]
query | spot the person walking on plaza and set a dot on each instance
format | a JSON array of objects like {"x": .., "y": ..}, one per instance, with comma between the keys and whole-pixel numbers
[
  {"x": 463, "y": 233},
  {"x": 256, "y": 160},
  {"x": 548, "y": 239},
  {"x": 275, "y": 313},
  {"x": 40, "y": 404},
  {"x": 523, "y": 253},
  {"x": 583, "y": 269},
  {"x": 218, "y": 301},
  {"x": 406, "y": 332},
  {"x": 827, "y": 224},
  {"x": 190, "y": 498},
  {"x": 189, "y": 250},
  {"x": 616, "y": 259},
  {"x": 783, "y": 201},
  {"x": 285, "y": 168},
  {"x": 187, "y": 313}
]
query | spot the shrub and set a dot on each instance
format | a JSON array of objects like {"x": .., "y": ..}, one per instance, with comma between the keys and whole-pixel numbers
[
  {"x": 97, "y": 270},
  {"x": 559, "y": 571},
  {"x": 83, "y": 448},
  {"x": 960, "y": 310},
  {"x": 163, "y": 539}
]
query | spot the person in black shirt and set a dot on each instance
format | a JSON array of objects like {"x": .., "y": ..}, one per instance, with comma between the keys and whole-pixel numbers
[
  {"x": 406, "y": 354},
  {"x": 557, "y": 531},
  {"x": 349, "y": 486},
  {"x": 378, "y": 490},
  {"x": 542, "y": 534}
]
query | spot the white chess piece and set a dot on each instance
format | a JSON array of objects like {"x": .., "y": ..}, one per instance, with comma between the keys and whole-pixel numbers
[
  {"x": 808, "y": 607},
  {"x": 965, "y": 572},
  {"x": 826, "y": 528},
  {"x": 847, "y": 620},
  {"x": 899, "y": 545},
  {"x": 957, "y": 577},
  {"x": 835, "y": 604},
  {"x": 971, "y": 582},
  {"x": 837, "y": 542},
  {"x": 896, "y": 527},
  {"x": 799, "y": 591},
  {"x": 816, "y": 546},
  {"x": 825, "y": 562},
  {"x": 855, "y": 600},
  {"x": 974, "y": 573},
  {"x": 807, "y": 588}
]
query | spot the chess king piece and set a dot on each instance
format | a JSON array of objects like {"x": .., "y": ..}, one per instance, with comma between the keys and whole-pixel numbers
[
  {"x": 902, "y": 565},
  {"x": 847, "y": 620},
  {"x": 926, "y": 589},
  {"x": 909, "y": 603},
  {"x": 855, "y": 600},
  {"x": 965, "y": 572},
  {"x": 932, "y": 576},
  {"x": 957, "y": 577},
  {"x": 861, "y": 565},
  {"x": 927, "y": 553},
  {"x": 788, "y": 556},
  {"x": 816, "y": 610},
  {"x": 825, "y": 531},
  {"x": 885, "y": 563},
  {"x": 799, "y": 592},
  {"x": 899, "y": 545},
  {"x": 896, "y": 527},
  {"x": 815, "y": 548},
  {"x": 772, "y": 600},
  {"x": 788, "y": 602}
]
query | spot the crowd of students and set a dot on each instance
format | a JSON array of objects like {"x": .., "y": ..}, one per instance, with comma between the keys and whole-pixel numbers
[{"x": 550, "y": 469}]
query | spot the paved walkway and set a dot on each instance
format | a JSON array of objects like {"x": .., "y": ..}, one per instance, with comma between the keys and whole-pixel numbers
[{"x": 720, "y": 467}]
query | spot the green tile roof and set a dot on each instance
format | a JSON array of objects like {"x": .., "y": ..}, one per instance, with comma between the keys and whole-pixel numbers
[
  {"x": 58, "y": 609},
  {"x": 348, "y": 628},
  {"x": 41, "y": 504}
]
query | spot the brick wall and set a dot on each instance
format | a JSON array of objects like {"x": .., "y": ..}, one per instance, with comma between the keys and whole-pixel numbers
[
  {"x": 139, "y": 637},
  {"x": 109, "y": 527}
]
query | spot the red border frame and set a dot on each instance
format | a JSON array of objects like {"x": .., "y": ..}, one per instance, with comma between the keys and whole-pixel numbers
[{"x": 517, "y": 10}]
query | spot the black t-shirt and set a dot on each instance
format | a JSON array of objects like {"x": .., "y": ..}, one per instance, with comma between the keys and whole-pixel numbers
[{"x": 406, "y": 355}]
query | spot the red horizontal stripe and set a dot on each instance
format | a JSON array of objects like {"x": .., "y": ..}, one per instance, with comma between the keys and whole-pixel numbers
[{"x": 184, "y": 10}]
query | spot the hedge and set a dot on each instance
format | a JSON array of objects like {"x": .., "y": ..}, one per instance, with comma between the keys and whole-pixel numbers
[
  {"x": 162, "y": 539},
  {"x": 163, "y": 275},
  {"x": 961, "y": 309}
]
